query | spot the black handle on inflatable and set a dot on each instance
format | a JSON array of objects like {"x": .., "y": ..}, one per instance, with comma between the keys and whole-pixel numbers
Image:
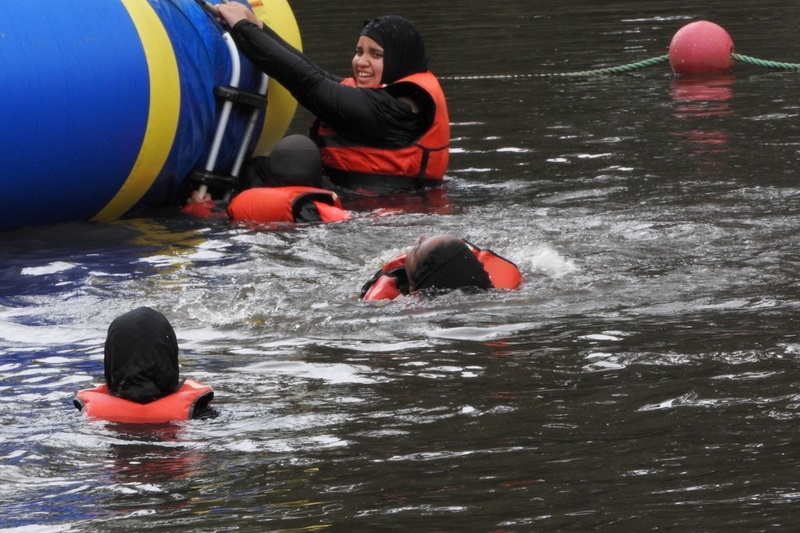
[{"x": 211, "y": 8}]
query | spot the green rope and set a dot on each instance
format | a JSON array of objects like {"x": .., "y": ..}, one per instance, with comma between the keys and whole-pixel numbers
[
  {"x": 598, "y": 72},
  {"x": 615, "y": 70},
  {"x": 623, "y": 68},
  {"x": 764, "y": 63}
]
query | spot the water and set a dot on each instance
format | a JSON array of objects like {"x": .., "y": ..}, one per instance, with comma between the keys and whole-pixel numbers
[{"x": 644, "y": 378}]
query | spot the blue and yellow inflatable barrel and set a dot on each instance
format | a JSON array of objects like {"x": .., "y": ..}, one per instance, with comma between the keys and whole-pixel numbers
[{"x": 107, "y": 106}]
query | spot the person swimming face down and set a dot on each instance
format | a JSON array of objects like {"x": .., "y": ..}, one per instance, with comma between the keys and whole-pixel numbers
[
  {"x": 388, "y": 48},
  {"x": 444, "y": 262},
  {"x": 141, "y": 356}
]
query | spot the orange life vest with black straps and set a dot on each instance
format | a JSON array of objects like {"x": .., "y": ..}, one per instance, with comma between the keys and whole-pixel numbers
[
  {"x": 391, "y": 280},
  {"x": 283, "y": 204},
  {"x": 184, "y": 404},
  {"x": 420, "y": 164}
]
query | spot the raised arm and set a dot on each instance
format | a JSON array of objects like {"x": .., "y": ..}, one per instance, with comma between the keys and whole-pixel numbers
[{"x": 365, "y": 114}]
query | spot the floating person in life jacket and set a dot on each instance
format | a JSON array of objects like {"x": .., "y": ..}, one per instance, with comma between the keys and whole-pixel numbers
[
  {"x": 286, "y": 186},
  {"x": 382, "y": 130},
  {"x": 142, "y": 378},
  {"x": 439, "y": 264}
]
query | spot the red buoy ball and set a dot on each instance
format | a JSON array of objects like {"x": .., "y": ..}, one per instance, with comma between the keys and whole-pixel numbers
[{"x": 701, "y": 47}]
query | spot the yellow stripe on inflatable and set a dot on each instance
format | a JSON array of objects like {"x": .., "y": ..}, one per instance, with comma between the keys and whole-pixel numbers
[
  {"x": 278, "y": 15},
  {"x": 162, "y": 120}
]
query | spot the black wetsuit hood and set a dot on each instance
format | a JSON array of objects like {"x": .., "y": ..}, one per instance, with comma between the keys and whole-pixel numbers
[
  {"x": 403, "y": 48},
  {"x": 141, "y": 356},
  {"x": 451, "y": 265}
]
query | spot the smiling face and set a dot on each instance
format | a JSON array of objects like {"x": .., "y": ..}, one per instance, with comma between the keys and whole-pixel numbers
[{"x": 368, "y": 63}]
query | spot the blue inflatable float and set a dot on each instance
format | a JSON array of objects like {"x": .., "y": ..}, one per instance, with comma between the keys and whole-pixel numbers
[{"x": 109, "y": 106}]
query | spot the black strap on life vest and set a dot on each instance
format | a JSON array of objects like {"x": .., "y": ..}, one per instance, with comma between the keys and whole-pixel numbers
[{"x": 401, "y": 280}]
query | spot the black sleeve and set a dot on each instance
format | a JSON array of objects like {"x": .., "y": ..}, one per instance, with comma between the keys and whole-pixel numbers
[
  {"x": 399, "y": 274},
  {"x": 375, "y": 117},
  {"x": 78, "y": 404},
  {"x": 306, "y": 211},
  {"x": 201, "y": 407}
]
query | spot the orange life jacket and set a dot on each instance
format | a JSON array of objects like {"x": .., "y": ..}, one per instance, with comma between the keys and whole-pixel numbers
[
  {"x": 282, "y": 204},
  {"x": 423, "y": 163},
  {"x": 183, "y": 404},
  {"x": 391, "y": 280}
]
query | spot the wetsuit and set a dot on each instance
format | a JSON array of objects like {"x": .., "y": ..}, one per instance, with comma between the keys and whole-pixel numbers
[
  {"x": 419, "y": 165},
  {"x": 373, "y": 117},
  {"x": 142, "y": 382}
]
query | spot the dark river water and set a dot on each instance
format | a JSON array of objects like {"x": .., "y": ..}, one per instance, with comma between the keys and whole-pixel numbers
[{"x": 646, "y": 377}]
